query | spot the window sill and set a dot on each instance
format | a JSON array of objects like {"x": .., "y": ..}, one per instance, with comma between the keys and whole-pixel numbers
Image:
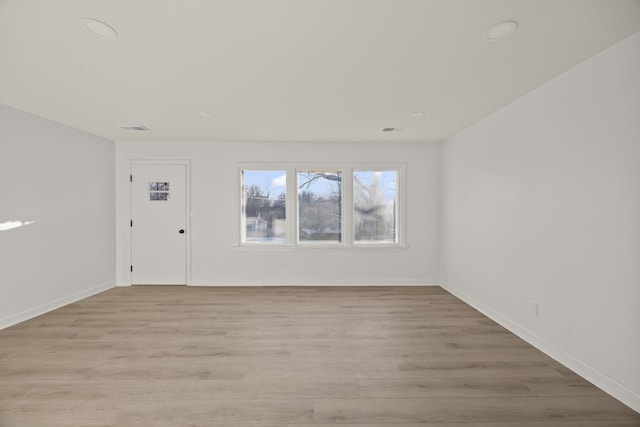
[{"x": 373, "y": 247}]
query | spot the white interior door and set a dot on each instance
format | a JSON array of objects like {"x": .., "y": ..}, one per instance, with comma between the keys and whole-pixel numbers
[{"x": 158, "y": 224}]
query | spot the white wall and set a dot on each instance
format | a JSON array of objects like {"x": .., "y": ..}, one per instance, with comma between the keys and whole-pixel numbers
[
  {"x": 215, "y": 257},
  {"x": 541, "y": 202},
  {"x": 62, "y": 180}
]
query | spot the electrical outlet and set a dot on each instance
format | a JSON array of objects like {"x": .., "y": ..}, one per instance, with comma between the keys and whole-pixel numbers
[
  {"x": 282, "y": 267},
  {"x": 533, "y": 308}
]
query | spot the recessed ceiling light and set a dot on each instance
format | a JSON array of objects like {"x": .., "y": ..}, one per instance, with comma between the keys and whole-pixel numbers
[
  {"x": 418, "y": 114},
  {"x": 99, "y": 28},
  {"x": 500, "y": 31},
  {"x": 205, "y": 114}
]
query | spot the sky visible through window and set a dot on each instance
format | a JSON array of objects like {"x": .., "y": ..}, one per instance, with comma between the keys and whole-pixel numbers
[
  {"x": 271, "y": 182},
  {"x": 274, "y": 182},
  {"x": 387, "y": 182}
]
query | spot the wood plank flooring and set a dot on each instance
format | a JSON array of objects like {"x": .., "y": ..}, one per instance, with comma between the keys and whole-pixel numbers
[{"x": 285, "y": 357}]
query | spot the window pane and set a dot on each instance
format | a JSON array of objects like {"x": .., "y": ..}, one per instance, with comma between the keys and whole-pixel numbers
[
  {"x": 264, "y": 206},
  {"x": 374, "y": 206},
  {"x": 320, "y": 206}
]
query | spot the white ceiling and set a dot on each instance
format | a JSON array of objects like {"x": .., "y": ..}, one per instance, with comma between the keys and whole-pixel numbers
[{"x": 291, "y": 70}]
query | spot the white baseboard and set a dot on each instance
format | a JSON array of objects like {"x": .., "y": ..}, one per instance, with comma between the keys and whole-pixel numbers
[
  {"x": 52, "y": 305},
  {"x": 310, "y": 283},
  {"x": 588, "y": 372}
]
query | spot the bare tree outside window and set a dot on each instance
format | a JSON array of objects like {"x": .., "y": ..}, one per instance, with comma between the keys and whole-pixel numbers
[
  {"x": 320, "y": 206},
  {"x": 374, "y": 205}
]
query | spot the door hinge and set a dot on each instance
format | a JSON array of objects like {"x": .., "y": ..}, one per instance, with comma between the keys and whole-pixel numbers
[
  {"x": 131, "y": 223},
  {"x": 130, "y": 178},
  {"x": 132, "y": 268}
]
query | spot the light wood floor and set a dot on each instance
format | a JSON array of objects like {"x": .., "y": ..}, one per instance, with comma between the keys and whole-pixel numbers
[{"x": 285, "y": 357}]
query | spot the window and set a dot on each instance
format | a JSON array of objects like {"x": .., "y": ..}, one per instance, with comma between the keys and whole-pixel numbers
[
  {"x": 264, "y": 200},
  {"x": 320, "y": 206},
  {"x": 333, "y": 205},
  {"x": 159, "y": 191},
  {"x": 374, "y": 206}
]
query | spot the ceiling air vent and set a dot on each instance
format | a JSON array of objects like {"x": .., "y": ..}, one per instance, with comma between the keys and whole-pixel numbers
[{"x": 137, "y": 128}]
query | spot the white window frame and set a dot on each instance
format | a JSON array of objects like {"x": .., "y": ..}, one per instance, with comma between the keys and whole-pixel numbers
[{"x": 292, "y": 214}]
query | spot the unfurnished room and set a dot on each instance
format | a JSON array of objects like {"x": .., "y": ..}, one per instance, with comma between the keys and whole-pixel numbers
[{"x": 314, "y": 213}]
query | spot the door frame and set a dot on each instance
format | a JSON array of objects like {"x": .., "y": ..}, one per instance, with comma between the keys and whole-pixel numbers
[{"x": 182, "y": 162}]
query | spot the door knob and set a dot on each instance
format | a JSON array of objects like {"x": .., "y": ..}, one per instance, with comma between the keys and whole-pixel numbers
[{"x": 181, "y": 231}]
